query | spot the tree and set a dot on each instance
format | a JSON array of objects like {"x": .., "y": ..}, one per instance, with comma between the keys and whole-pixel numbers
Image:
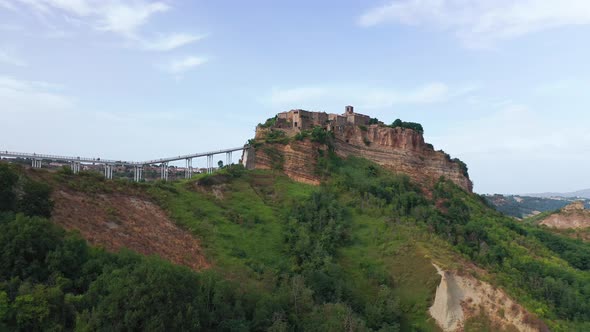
[
  {"x": 220, "y": 164},
  {"x": 8, "y": 179},
  {"x": 35, "y": 200},
  {"x": 24, "y": 245},
  {"x": 152, "y": 295}
]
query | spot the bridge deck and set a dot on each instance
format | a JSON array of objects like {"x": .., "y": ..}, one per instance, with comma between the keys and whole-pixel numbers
[{"x": 37, "y": 156}]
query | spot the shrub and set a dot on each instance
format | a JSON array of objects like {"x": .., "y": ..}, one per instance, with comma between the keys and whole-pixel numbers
[
  {"x": 8, "y": 179},
  {"x": 300, "y": 136},
  {"x": 320, "y": 135},
  {"x": 409, "y": 125},
  {"x": 277, "y": 136},
  {"x": 36, "y": 199},
  {"x": 270, "y": 122}
]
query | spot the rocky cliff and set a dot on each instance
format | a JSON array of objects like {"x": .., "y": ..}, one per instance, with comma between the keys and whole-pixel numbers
[
  {"x": 572, "y": 216},
  {"x": 399, "y": 149}
]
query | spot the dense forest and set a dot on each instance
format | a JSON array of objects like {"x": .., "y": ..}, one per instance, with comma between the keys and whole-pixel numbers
[{"x": 286, "y": 256}]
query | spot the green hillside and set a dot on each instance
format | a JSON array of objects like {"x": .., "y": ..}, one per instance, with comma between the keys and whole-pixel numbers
[{"x": 353, "y": 254}]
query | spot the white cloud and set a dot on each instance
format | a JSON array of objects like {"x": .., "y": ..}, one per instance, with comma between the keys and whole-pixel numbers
[
  {"x": 168, "y": 43},
  {"x": 182, "y": 65},
  {"x": 7, "y": 5},
  {"x": 371, "y": 98},
  {"x": 126, "y": 19},
  {"x": 41, "y": 117},
  {"x": 12, "y": 59},
  {"x": 516, "y": 149},
  {"x": 480, "y": 23},
  {"x": 21, "y": 96},
  {"x": 121, "y": 17}
]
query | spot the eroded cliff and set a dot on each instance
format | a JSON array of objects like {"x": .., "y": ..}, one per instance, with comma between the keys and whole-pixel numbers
[
  {"x": 402, "y": 150},
  {"x": 573, "y": 216}
]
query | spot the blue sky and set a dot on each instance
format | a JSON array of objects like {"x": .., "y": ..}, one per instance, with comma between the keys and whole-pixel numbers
[{"x": 503, "y": 85}]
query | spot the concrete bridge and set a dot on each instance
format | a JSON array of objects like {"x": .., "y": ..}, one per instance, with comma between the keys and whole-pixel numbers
[{"x": 109, "y": 165}]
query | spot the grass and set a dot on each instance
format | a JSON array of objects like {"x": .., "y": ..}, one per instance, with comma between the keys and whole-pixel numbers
[
  {"x": 240, "y": 227},
  {"x": 384, "y": 251},
  {"x": 242, "y": 232}
]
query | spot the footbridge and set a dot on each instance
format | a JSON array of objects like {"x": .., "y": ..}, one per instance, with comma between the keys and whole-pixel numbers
[{"x": 110, "y": 165}]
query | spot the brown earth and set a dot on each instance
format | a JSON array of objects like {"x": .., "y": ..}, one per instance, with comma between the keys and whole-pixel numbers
[
  {"x": 116, "y": 221},
  {"x": 401, "y": 150},
  {"x": 298, "y": 160},
  {"x": 462, "y": 296},
  {"x": 573, "y": 216}
]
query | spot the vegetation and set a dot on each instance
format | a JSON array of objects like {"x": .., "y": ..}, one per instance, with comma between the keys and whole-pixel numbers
[
  {"x": 410, "y": 125},
  {"x": 524, "y": 206},
  {"x": 322, "y": 136},
  {"x": 352, "y": 254},
  {"x": 270, "y": 122},
  {"x": 276, "y": 136}
]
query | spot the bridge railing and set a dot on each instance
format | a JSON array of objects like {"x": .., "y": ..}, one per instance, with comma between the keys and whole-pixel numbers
[
  {"x": 13, "y": 154},
  {"x": 194, "y": 155}
]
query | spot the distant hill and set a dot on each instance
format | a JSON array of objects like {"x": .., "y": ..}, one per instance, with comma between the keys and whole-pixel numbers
[
  {"x": 584, "y": 193},
  {"x": 526, "y": 206}
]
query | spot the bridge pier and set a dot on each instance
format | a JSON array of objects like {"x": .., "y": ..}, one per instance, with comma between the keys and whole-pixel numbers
[
  {"x": 137, "y": 173},
  {"x": 36, "y": 163},
  {"x": 188, "y": 171},
  {"x": 164, "y": 171},
  {"x": 228, "y": 158},
  {"x": 209, "y": 164},
  {"x": 75, "y": 166},
  {"x": 108, "y": 171}
]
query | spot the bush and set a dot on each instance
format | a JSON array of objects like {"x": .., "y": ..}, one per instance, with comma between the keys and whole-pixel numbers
[
  {"x": 36, "y": 199},
  {"x": 300, "y": 136},
  {"x": 270, "y": 122},
  {"x": 277, "y": 136},
  {"x": 8, "y": 179},
  {"x": 409, "y": 125},
  {"x": 320, "y": 135},
  {"x": 462, "y": 166}
]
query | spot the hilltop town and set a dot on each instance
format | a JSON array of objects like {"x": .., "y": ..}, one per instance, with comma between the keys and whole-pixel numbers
[
  {"x": 299, "y": 120},
  {"x": 280, "y": 143}
]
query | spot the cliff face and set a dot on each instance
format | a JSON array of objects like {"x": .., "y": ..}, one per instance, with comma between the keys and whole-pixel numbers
[
  {"x": 297, "y": 160},
  {"x": 401, "y": 150},
  {"x": 572, "y": 216},
  {"x": 398, "y": 149}
]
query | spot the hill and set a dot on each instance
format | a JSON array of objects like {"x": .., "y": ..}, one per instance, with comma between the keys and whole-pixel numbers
[
  {"x": 572, "y": 221},
  {"x": 293, "y": 141},
  {"x": 584, "y": 193},
  {"x": 362, "y": 249},
  {"x": 527, "y": 206}
]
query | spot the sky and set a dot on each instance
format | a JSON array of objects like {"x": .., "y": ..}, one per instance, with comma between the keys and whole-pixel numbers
[{"x": 502, "y": 85}]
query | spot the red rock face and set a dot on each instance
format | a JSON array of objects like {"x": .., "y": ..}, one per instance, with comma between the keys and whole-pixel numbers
[
  {"x": 398, "y": 149},
  {"x": 297, "y": 160},
  {"x": 401, "y": 150}
]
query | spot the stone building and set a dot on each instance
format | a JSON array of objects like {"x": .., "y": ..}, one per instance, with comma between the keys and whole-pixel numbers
[{"x": 298, "y": 119}]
